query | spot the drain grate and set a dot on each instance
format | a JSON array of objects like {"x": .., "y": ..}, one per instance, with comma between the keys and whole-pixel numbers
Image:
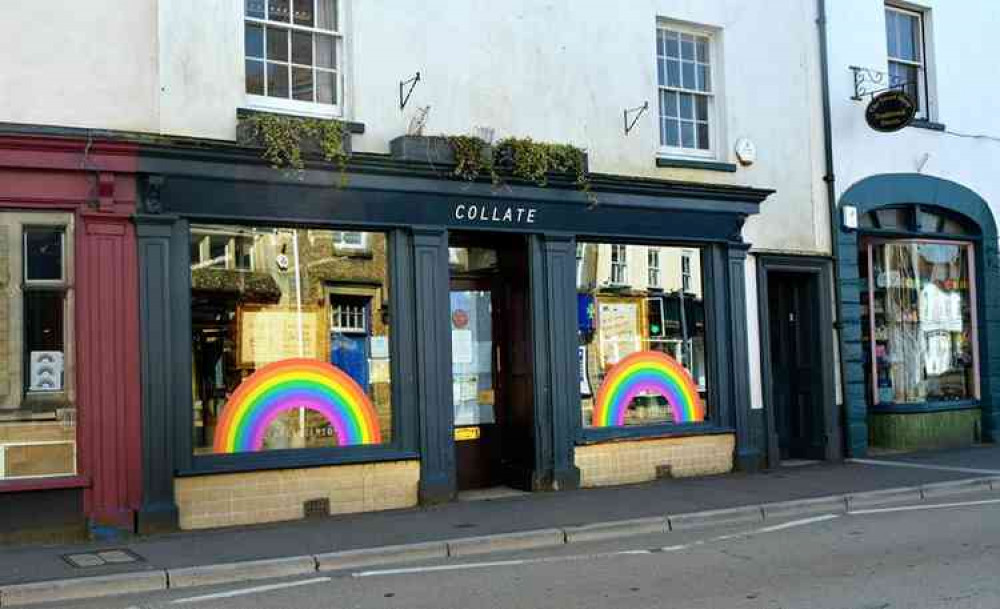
[{"x": 116, "y": 556}]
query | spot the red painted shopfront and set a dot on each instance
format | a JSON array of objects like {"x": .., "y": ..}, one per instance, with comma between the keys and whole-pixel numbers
[{"x": 69, "y": 355}]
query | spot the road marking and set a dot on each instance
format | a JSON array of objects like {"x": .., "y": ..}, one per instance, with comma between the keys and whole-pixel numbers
[
  {"x": 254, "y": 590},
  {"x": 943, "y": 468},
  {"x": 595, "y": 556},
  {"x": 911, "y": 508}
]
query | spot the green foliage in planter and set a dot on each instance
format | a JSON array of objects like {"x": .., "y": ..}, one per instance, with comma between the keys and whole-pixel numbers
[
  {"x": 282, "y": 137},
  {"x": 534, "y": 161},
  {"x": 469, "y": 159}
]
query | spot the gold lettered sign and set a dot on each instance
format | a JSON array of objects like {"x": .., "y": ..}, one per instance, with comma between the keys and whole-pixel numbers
[
  {"x": 464, "y": 434},
  {"x": 890, "y": 111}
]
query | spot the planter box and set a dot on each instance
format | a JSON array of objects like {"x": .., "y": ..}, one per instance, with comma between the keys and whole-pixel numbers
[
  {"x": 246, "y": 135},
  {"x": 432, "y": 149}
]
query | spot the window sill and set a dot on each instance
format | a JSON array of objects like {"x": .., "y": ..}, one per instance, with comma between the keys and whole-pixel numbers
[
  {"x": 924, "y": 407},
  {"x": 351, "y": 127},
  {"x": 610, "y": 434},
  {"x": 923, "y": 123},
  {"x": 695, "y": 164},
  {"x": 44, "y": 484},
  {"x": 294, "y": 459}
]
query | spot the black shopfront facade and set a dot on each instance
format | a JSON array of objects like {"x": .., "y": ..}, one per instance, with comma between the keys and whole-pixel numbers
[{"x": 435, "y": 300}]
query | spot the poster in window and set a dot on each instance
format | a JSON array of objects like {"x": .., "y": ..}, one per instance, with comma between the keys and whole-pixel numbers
[
  {"x": 272, "y": 333},
  {"x": 585, "y": 390},
  {"x": 620, "y": 330}
]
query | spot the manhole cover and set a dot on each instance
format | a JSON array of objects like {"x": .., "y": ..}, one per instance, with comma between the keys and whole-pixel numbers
[{"x": 86, "y": 560}]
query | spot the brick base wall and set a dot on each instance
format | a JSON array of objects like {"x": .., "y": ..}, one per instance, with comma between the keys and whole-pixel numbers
[
  {"x": 635, "y": 461},
  {"x": 271, "y": 496},
  {"x": 924, "y": 431}
]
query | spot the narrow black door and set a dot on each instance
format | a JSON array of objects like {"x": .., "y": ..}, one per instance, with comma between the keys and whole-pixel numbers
[{"x": 796, "y": 379}]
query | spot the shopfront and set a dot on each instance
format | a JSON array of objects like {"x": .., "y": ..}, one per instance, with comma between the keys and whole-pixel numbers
[
  {"x": 69, "y": 386},
  {"x": 320, "y": 343},
  {"x": 920, "y": 329}
]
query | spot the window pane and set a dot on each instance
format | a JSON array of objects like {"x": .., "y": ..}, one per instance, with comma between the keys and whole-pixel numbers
[
  {"x": 326, "y": 14},
  {"x": 43, "y": 254},
  {"x": 304, "y": 13},
  {"x": 673, "y": 44},
  {"x": 661, "y": 71},
  {"x": 701, "y": 107},
  {"x": 892, "y": 42},
  {"x": 704, "y": 78},
  {"x": 673, "y": 133},
  {"x": 278, "y": 10},
  {"x": 669, "y": 103},
  {"x": 302, "y": 48},
  {"x": 661, "y": 43},
  {"x": 703, "y": 140},
  {"x": 687, "y": 72},
  {"x": 617, "y": 330},
  {"x": 277, "y": 44},
  {"x": 255, "y": 77},
  {"x": 277, "y": 80},
  {"x": 254, "y": 8},
  {"x": 687, "y": 47},
  {"x": 326, "y": 51},
  {"x": 673, "y": 73},
  {"x": 702, "y": 50},
  {"x": 253, "y": 36},
  {"x": 302, "y": 84},
  {"x": 687, "y": 135},
  {"x": 43, "y": 321},
  {"x": 326, "y": 87},
  {"x": 908, "y": 36},
  {"x": 923, "y": 334},
  {"x": 687, "y": 105},
  {"x": 259, "y": 323}
]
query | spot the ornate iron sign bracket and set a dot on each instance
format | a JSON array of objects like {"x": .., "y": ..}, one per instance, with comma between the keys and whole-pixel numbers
[{"x": 869, "y": 83}]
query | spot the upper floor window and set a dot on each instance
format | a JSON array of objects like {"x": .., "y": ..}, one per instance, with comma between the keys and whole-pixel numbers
[
  {"x": 619, "y": 264},
  {"x": 350, "y": 240},
  {"x": 907, "y": 52},
  {"x": 292, "y": 54},
  {"x": 686, "y": 271},
  {"x": 686, "y": 95},
  {"x": 653, "y": 267}
]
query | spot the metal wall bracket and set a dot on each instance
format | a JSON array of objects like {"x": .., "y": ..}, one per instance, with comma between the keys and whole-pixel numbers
[
  {"x": 412, "y": 82},
  {"x": 869, "y": 83},
  {"x": 636, "y": 113}
]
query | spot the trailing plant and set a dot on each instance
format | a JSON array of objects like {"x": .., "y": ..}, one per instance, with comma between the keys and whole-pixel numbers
[
  {"x": 470, "y": 162},
  {"x": 533, "y": 161},
  {"x": 283, "y": 137}
]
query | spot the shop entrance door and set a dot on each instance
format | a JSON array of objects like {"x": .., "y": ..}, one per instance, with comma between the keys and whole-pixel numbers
[
  {"x": 491, "y": 364},
  {"x": 796, "y": 370}
]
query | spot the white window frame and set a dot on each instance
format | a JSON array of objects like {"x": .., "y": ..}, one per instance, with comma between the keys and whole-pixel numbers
[
  {"x": 204, "y": 249},
  {"x": 619, "y": 264},
  {"x": 686, "y": 272},
  {"x": 356, "y": 316},
  {"x": 714, "y": 95},
  {"x": 922, "y": 65},
  {"x": 293, "y": 106},
  {"x": 653, "y": 268},
  {"x": 581, "y": 252},
  {"x": 339, "y": 244}
]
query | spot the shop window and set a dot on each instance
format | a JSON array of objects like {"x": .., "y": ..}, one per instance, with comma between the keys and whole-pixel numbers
[
  {"x": 292, "y": 352},
  {"x": 293, "y": 55},
  {"x": 37, "y": 413},
  {"x": 919, "y": 321},
  {"x": 905, "y": 33},
  {"x": 642, "y": 352},
  {"x": 687, "y": 101}
]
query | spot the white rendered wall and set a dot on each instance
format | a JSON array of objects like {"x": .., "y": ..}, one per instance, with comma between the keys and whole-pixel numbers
[{"x": 963, "y": 43}]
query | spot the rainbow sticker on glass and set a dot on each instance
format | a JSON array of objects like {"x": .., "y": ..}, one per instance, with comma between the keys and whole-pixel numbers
[
  {"x": 285, "y": 386},
  {"x": 647, "y": 373}
]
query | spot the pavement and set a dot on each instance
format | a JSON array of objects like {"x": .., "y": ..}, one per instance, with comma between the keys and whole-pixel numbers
[{"x": 32, "y": 573}]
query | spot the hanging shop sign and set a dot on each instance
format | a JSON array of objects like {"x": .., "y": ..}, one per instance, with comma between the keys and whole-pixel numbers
[{"x": 890, "y": 111}]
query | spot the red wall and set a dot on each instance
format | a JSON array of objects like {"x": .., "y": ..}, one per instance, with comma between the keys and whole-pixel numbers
[{"x": 95, "y": 180}]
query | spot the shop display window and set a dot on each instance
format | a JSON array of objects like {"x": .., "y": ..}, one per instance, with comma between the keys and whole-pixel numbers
[
  {"x": 919, "y": 321},
  {"x": 37, "y": 409},
  {"x": 290, "y": 339},
  {"x": 642, "y": 349}
]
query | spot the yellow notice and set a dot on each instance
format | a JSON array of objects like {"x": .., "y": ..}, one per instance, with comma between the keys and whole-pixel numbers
[{"x": 463, "y": 434}]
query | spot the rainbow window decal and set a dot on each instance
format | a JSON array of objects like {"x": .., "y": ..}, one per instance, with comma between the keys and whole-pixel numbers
[
  {"x": 646, "y": 373},
  {"x": 285, "y": 386}
]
